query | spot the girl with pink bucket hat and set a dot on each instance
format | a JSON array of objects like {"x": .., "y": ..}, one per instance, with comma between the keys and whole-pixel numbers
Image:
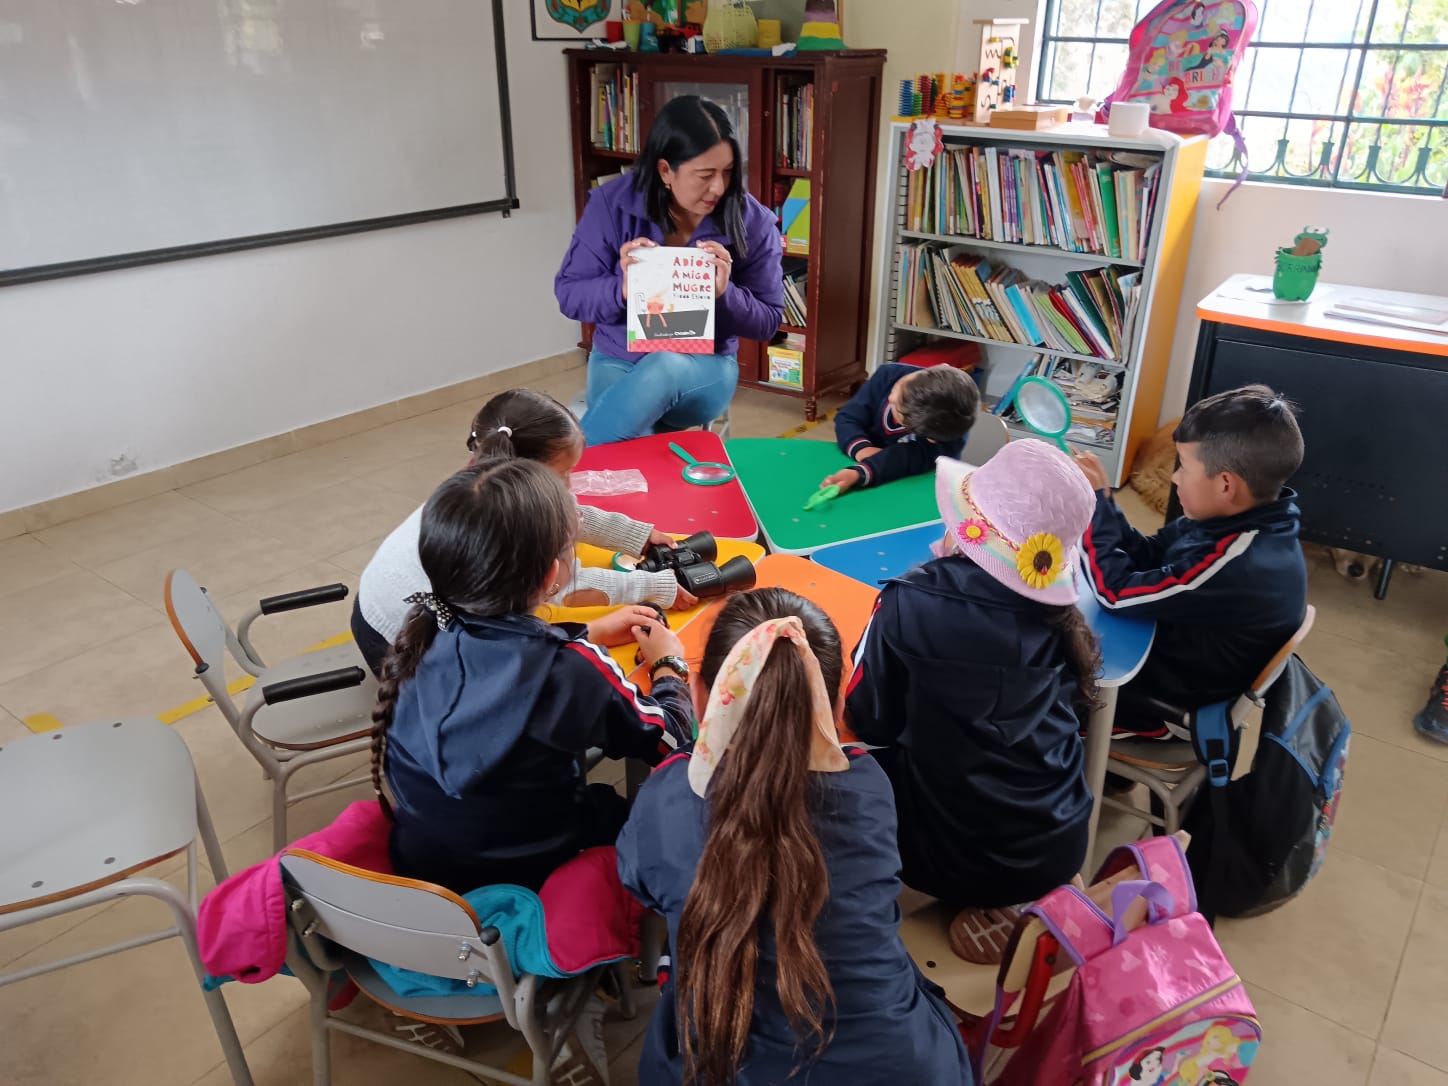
[{"x": 973, "y": 678}]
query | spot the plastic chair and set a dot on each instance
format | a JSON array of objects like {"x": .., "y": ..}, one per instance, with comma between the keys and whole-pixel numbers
[
  {"x": 1171, "y": 771},
  {"x": 85, "y": 810},
  {"x": 341, "y": 916},
  {"x": 305, "y": 710}
]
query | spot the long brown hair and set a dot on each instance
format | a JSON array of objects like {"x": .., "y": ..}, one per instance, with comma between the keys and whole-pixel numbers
[
  {"x": 523, "y": 423},
  {"x": 762, "y": 866},
  {"x": 489, "y": 534},
  {"x": 1082, "y": 650}
]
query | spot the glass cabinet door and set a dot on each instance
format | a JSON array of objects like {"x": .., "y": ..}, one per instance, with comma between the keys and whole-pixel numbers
[{"x": 732, "y": 98}]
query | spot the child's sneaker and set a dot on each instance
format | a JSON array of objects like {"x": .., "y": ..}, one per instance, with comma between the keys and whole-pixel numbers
[{"x": 1432, "y": 721}]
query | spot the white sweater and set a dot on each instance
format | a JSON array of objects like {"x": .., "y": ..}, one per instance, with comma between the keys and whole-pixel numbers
[{"x": 395, "y": 571}]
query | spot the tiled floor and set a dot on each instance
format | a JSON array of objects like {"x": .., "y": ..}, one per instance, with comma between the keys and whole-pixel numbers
[{"x": 1348, "y": 979}]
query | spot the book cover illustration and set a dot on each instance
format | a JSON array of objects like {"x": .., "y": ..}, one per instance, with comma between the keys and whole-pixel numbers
[{"x": 671, "y": 301}]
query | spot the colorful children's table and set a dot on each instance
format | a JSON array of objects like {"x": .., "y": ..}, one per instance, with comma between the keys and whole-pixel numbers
[
  {"x": 780, "y": 474},
  {"x": 671, "y": 504},
  {"x": 1125, "y": 639}
]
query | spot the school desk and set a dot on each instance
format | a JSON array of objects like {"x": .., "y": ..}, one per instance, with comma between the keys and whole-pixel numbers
[
  {"x": 780, "y": 475},
  {"x": 671, "y": 504},
  {"x": 1125, "y": 639},
  {"x": 1373, "y": 401}
]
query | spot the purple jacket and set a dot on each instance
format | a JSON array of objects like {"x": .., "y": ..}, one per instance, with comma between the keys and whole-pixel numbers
[{"x": 589, "y": 286}]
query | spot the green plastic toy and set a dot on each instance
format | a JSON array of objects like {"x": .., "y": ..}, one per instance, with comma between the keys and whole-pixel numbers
[{"x": 820, "y": 496}]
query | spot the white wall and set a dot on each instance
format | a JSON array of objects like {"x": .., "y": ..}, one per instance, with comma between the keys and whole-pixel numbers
[
  {"x": 1377, "y": 240},
  {"x": 163, "y": 364}
]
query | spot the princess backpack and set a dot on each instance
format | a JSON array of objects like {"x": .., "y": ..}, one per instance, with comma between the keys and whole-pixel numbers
[
  {"x": 1180, "y": 60},
  {"x": 1135, "y": 993}
]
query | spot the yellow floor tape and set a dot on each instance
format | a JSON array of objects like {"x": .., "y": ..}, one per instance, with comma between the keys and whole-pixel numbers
[{"x": 45, "y": 722}]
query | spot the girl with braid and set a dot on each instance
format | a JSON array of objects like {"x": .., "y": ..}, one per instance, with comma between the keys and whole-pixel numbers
[
  {"x": 771, "y": 852},
  {"x": 485, "y": 711}
]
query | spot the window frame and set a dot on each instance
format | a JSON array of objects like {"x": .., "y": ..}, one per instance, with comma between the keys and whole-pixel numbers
[{"x": 1327, "y": 170}]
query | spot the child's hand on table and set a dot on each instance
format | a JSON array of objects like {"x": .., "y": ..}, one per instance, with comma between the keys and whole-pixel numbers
[
  {"x": 662, "y": 539},
  {"x": 845, "y": 479},
  {"x": 656, "y": 641},
  {"x": 684, "y": 600},
  {"x": 1090, "y": 466},
  {"x": 616, "y": 627}
]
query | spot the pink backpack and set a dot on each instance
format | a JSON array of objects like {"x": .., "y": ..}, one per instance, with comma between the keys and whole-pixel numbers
[
  {"x": 1143, "y": 996},
  {"x": 1180, "y": 60}
]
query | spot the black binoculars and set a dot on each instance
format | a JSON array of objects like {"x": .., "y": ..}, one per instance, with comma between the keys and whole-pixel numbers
[{"x": 692, "y": 563}]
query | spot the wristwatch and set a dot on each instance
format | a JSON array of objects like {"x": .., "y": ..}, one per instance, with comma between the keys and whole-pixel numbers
[{"x": 677, "y": 664}]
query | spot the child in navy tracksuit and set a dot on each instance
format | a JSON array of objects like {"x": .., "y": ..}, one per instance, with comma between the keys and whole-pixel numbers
[
  {"x": 485, "y": 711},
  {"x": 771, "y": 852},
  {"x": 900, "y": 421},
  {"x": 1226, "y": 582}
]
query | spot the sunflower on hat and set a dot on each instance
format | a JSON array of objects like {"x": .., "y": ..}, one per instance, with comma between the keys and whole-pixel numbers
[{"x": 1039, "y": 559}]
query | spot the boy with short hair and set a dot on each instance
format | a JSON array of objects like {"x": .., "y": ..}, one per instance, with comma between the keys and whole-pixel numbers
[
  {"x": 900, "y": 421},
  {"x": 1225, "y": 582}
]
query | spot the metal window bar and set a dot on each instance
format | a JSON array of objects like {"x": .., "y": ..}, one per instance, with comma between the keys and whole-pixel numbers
[{"x": 1426, "y": 174}]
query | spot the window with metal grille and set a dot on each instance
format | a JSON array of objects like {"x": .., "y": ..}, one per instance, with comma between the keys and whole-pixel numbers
[{"x": 1341, "y": 93}]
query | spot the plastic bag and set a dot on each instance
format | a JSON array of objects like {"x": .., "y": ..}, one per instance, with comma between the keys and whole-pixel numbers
[{"x": 603, "y": 484}]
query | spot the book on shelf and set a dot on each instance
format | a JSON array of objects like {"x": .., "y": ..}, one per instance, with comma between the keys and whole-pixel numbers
[
  {"x": 794, "y": 218},
  {"x": 953, "y": 289},
  {"x": 605, "y": 178},
  {"x": 671, "y": 300},
  {"x": 786, "y": 361},
  {"x": 794, "y": 126},
  {"x": 613, "y": 110},
  {"x": 1080, "y": 201},
  {"x": 796, "y": 290}
]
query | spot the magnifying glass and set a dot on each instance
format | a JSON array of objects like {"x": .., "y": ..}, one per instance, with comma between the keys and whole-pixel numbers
[
  {"x": 702, "y": 472},
  {"x": 1044, "y": 408}
]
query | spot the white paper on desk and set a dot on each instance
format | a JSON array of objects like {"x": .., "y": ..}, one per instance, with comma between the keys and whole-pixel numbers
[
  {"x": 1385, "y": 322},
  {"x": 1416, "y": 316}
]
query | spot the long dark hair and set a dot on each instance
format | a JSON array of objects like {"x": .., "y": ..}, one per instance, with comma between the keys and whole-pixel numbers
[
  {"x": 762, "y": 864},
  {"x": 683, "y": 130},
  {"x": 542, "y": 428},
  {"x": 1082, "y": 650},
  {"x": 489, "y": 534}
]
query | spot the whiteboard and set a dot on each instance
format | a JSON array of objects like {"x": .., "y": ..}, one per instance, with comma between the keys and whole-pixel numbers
[{"x": 142, "y": 130}]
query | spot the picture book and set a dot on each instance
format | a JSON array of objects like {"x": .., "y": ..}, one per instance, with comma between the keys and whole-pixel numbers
[{"x": 671, "y": 301}]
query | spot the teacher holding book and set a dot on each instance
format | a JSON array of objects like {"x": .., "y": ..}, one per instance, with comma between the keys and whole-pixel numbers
[{"x": 686, "y": 189}]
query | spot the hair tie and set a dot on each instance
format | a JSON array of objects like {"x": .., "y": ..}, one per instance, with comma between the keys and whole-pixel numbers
[
  {"x": 731, "y": 692},
  {"x": 440, "y": 610},
  {"x": 504, "y": 430}
]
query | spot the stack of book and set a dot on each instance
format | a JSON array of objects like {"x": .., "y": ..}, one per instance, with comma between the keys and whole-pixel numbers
[
  {"x": 796, "y": 309},
  {"x": 1092, "y": 313},
  {"x": 1084, "y": 202},
  {"x": 794, "y": 126},
  {"x": 614, "y": 108}
]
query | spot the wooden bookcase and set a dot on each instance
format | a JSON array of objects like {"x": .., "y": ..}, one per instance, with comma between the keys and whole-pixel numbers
[
  {"x": 1142, "y": 361},
  {"x": 846, "y": 117}
]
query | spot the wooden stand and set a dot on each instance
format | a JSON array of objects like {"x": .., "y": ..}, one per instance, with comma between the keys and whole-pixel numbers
[{"x": 843, "y": 135}]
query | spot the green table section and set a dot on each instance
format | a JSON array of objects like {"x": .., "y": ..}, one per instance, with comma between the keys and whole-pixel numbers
[{"x": 780, "y": 474}]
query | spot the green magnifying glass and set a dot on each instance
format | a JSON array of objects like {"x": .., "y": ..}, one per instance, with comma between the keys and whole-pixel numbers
[
  {"x": 1044, "y": 408},
  {"x": 702, "y": 472}
]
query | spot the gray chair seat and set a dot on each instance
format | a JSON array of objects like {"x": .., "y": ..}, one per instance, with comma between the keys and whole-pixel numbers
[{"x": 322, "y": 719}]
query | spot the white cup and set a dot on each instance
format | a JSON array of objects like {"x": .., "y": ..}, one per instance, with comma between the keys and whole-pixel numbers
[{"x": 1128, "y": 119}]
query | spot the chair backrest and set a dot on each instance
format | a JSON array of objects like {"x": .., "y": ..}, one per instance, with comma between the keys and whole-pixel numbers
[
  {"x": 1273, "y": 671},
  {"x": 205, "y": 635},
  {"x": 987, "y": 437},
  {"x": 407, "y": 923}
]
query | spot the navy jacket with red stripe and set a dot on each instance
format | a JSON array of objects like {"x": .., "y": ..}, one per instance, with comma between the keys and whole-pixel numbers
[
  {"x": 866, "y": 421},
  {"x": 485, "y": 754},
  {"x": 1226, "y": 594}
]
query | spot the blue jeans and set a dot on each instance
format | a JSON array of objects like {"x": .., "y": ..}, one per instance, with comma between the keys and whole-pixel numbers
[{"x": 655, "y": 393}]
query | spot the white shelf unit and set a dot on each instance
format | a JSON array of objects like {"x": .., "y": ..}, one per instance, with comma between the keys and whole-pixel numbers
[{"x": 1145, "y": 355}]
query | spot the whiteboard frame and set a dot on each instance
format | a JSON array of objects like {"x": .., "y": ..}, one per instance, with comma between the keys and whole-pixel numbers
[{"x": 505, "y": 205}]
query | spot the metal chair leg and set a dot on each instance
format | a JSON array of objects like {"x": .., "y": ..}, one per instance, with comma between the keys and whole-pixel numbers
[
  {"x": 215, "y": 859},
  {"x": 321, "y": 1039}
]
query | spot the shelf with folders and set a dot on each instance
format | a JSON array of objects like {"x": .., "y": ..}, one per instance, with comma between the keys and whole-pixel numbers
[
  {"x": 1096, "y": 202},
  {"x": 1005, "y": 240},
  {"x": 794, "y": 127},
  {"x": 950, "y": 289}
]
